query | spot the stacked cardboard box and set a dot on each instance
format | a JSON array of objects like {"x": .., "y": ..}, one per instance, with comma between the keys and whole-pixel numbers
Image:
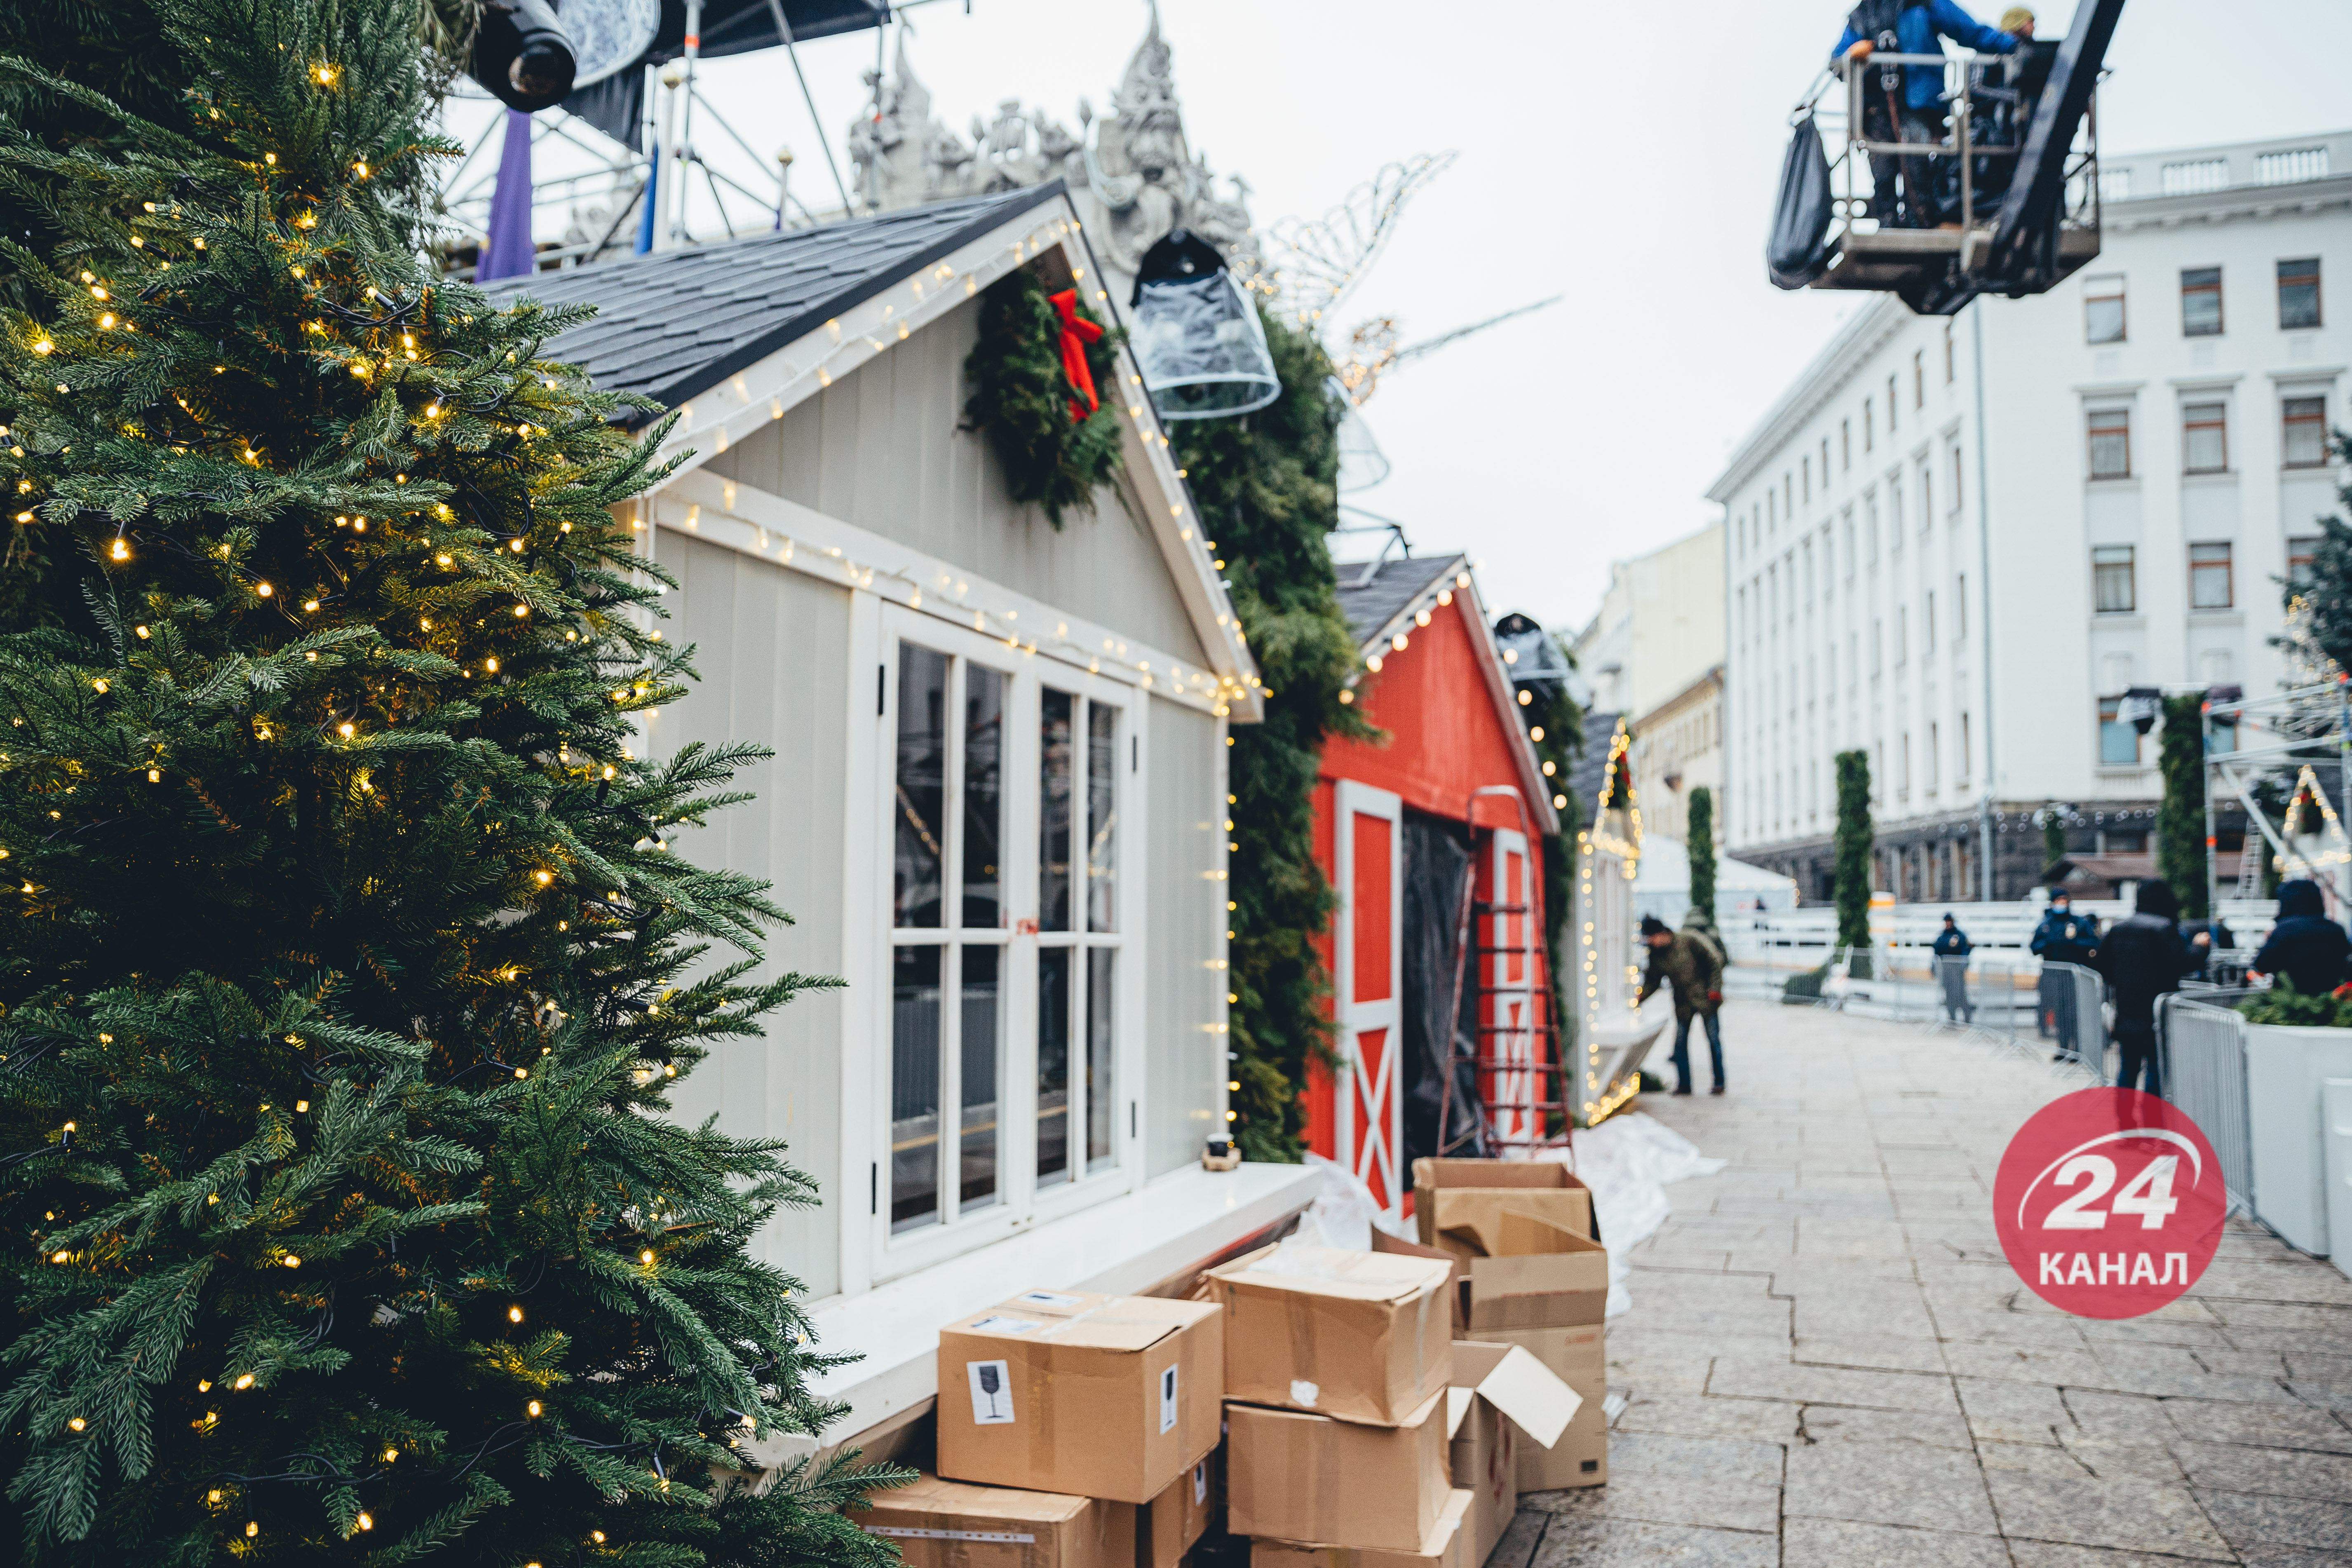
[
  {"x": 1074, "y": 1431},
  {"x": 1538, "y": 1279},
  {"x": 1337, "y": 1370},
  {"x": 1502, "y": 1400}
]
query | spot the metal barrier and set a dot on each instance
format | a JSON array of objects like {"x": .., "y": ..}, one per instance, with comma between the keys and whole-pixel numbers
[{"x": 2201, "y": 1046}]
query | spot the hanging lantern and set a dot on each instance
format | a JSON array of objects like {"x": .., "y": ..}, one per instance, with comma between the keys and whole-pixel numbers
[
  {"x": 1196, "y": 334},
  {"x": 1363, "y": 464}
]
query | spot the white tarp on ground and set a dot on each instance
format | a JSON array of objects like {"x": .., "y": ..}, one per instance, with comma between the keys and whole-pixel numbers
[
  {"x": 1662, "y": 884},
  {"x": 1628, "y": 1162}
]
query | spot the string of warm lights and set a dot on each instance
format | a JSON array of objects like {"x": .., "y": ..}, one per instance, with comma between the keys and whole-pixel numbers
[{"x": 1604, "y": 923}]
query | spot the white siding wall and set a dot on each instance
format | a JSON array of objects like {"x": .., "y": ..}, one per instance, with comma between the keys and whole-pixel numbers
[
  {"x": 1186, "y": 1067},
  {"x": 773, "y": 646},
  {"x": 882, "y": 447}
]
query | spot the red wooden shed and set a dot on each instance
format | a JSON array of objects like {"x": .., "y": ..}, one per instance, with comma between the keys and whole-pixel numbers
[{"x": 1434, "y": 841}]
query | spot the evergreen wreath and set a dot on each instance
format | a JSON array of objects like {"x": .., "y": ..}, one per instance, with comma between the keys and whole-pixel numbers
[{"x": 1022, "y": 398}]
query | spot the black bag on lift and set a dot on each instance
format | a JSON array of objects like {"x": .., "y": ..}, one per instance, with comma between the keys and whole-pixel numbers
[{"x": 1798, "y": 251}]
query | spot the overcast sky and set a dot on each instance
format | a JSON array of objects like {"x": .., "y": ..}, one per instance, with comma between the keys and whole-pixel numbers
[{"x": 1628, "y": 167}]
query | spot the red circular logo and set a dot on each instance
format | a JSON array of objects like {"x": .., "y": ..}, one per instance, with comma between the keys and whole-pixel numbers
[{"x": 2109, "y": 1202}]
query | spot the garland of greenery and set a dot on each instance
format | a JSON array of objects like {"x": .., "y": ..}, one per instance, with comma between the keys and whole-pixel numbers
[
  {"x": 1021, "y": 398},
  {"x": 1853, "y": 838},
  {"x": 1701, "y": 842},
  {"x": 1556, "y": 725},
  {"x": 1266, "y": 485},
  {"x": 2180, "y": 820}
]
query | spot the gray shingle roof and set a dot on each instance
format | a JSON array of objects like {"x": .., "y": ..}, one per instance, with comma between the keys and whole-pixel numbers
[
  {"x": 1371, "y": 600},
  {"x": 1584, "y": 773},
  {"x": 676, "y": 323}
]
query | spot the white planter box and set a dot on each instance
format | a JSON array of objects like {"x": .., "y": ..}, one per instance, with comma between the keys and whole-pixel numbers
[{"x": 2285, "y": 1069}]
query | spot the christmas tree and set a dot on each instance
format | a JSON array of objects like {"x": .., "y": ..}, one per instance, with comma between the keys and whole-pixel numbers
[{"x": 347, "y": 959}]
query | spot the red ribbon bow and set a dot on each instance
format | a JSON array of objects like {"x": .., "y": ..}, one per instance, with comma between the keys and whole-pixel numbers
[{"x": 1076, "y": 333}]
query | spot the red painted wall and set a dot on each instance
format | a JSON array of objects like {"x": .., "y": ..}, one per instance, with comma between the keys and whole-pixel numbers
[{"x": 1445, "y": 738}]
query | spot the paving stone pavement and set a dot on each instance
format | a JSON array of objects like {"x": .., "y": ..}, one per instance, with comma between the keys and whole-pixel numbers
[{"x": 1829, "y": 1361}]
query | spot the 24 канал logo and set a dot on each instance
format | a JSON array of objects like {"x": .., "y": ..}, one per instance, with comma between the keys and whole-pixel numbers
[{"x": 2109, "y": 1202}]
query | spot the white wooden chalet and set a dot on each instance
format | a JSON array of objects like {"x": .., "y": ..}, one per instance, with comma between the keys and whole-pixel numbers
[{"x": 997, "y": 803}]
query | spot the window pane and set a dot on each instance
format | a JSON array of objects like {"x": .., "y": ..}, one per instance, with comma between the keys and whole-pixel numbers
[
  {"x": 983, "y": 1064},
  {"x": 1102, "y": 815},
  {"x": 2299, "y": 552},
  {"x": 1053, "y": 1065},
  {"x": 983, "y": 797},
  {"x": 2200, "y": 302},
  {"x": 2208, "y": 576},
  {"x": 2307, "y": 432},
  {"x": 2204, "y": 438},
  {"x": 2103, "y": 310},
  {"x": 2298, "y": 289},
  {"x": 914, "y": 1086},
  {"x": 2110, "y": 433},
  {"x": 2110, "y": 579},
  {"x": 2118, "y": 741},
  {"x": 1055, "y": 784},
  {"x": 922, "y": 785},
  {"x": 1102, "y": 1098}
]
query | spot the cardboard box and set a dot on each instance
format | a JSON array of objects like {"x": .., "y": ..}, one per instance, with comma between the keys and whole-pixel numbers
[
  {"x": 1501, "y": 1399},
  {"x": 1447, "y": 1546},
  {"x": 1165, "y": 1528},
  {"x": 946, "y": 1524},
  {"x": 1528, "y": 1273},
  {"x": 1448, "y": 1193},
  {"x": 1457, "y": 1289},
  {"x": 1294, "y": 1476},
  {"x": 1361, "y": 1336},
  {"x": 1579, "y": 1357},
  {"x": 1100, "y": 1396}
]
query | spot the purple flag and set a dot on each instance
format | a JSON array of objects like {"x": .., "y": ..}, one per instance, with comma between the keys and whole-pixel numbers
[{"x": 508, "y": 253}]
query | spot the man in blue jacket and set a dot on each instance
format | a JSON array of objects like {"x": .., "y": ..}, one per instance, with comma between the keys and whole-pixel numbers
[
  {"x": 1909, "y": 108},
  {"x": 2062, "y": 937}
]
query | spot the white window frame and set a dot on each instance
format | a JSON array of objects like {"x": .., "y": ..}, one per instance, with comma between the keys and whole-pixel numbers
[{"x": 1021, "y": 1204}]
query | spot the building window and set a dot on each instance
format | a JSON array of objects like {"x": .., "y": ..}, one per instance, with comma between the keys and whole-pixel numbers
[
  {"x": 1968, "y": 753},
  {"x": 1903, "y": 779},
  {"x": 1935, "y": 754},
  {"x": 2298, "y": 290},
  {"x": 2102, "y": 309},
  {"x": 1869, "y": 430},
  {"x": 2209, "y": 577},
  {"x": 1958, "y": 460},
  {"x": 1927, "y": 497},
  {"x": 969, "y": 739},
  {"x": 1960, "y": 610},
  {"x": 1891, "y": 421},
  {"x": 2200, "y": 302},
  {"x": 1806, "y": 464},
  {"x": 1848, "y": 539},
  {"x": 1918, "y": 378},
  {"x": 2299, "y": 549},
  {"x": 1877, "y": 651},
  {"x": 2113, "y": 591},
  {"x": 2110, "y": 432},
  {"x": 2205, "y": 438},
  {"x": 2118, "y": 741},
  {"x": 1948, "y": 362},
  {"x": 948, "y": 887},
  {"x": 1902, "y": 634},
  {"x": 1825, "y": 465},
  {"x": 1845, "y": 445}
]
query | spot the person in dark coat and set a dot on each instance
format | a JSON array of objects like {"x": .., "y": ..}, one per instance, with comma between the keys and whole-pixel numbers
[
  {"x": 1952, "y": 946},
  {"x": 2062, "y": 937},
  {"x": 2218, "y": 938},
  {"x": 2305, "y": 946},
  {"x": 1695, "y": 967},
  {"x": 1908, "y": 104},
  {"x": 2142, "y": 958}
]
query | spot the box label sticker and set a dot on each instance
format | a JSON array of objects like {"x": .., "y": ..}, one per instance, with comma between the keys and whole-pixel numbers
[
  {"x": 1049, "y": 1299},
  {"x": 1201, "y": 1483},
  {"x": 1168, "y": 1403},
  {"x": 993, "y": 1324},
  {"x": 1305, "y": 1393},
  {"x": 991, "y": 1392}
]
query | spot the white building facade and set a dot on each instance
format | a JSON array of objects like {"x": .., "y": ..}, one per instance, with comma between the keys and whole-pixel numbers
[{"x": 1956, "y": 544}]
